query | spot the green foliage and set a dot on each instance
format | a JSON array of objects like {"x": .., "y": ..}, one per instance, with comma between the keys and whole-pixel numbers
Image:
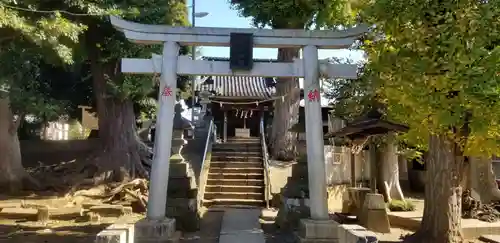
[
  {"x": 45, "y": 31},
  {"x": 76, "y": 131},
  {"x": 435, "y": 62},
  {"x": 351, "y": 97},
  {"x": 401, "y": 206},
  {"x": 107, "y": 46},
  {"x": 298, "y": 14},
  {"x": 147, "y": 108},
  {"x": 37, "y": 35}
]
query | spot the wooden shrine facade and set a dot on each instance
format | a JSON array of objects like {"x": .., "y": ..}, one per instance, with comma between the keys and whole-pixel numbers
[{"x": 239, "y": 102}]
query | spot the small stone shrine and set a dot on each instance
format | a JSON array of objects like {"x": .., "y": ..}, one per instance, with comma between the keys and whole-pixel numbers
[{"x": 366, "y": 203}]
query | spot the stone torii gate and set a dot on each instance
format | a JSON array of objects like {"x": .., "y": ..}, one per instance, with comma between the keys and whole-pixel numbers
[{"x": 170, "y": 64}]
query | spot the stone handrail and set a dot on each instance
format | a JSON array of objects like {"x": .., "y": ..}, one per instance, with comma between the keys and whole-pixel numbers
[
  {"x": 265, "y": 155},
  {"x": 205, "y": 165}
]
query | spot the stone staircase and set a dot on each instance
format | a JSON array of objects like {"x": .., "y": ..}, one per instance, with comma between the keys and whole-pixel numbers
[{"x": 236, "y": 174}]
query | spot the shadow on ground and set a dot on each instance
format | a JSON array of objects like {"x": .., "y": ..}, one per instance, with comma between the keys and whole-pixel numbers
[
  {"x": 210, "y": 226},
  {"x": 41, "y": 234}
]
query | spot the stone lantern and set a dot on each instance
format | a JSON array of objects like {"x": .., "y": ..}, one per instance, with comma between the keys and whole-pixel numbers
[
  {"x": 180, "y": 125},
  {"x": 204, "y": 100},
  {"x": 182, "y": 188}
]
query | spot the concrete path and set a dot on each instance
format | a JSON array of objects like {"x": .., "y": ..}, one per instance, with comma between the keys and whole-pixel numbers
[{"x": 241, "y": 225}]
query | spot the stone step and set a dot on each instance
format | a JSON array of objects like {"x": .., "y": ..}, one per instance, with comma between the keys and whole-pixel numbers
[
  {"x": 233, "y": 195},
  {"x": 244, "y": 139},
  {"x": 225, "y": 170},
  {"x": 240, "y": 143},
  {"x": 236, "y": 153},
  {"x": 233, "y": 202},
  {"x": 235, "y": 164},
  {"x": 217, "y": 157},
  {"x": 217, "y": 149},
  {"x": 234, "y": 188},
  {"x": 235, "y": 182},
  {"x": 241, "y": 176}
]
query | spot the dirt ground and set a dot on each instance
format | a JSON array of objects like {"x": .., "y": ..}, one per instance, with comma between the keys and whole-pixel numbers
[{"x": 65, "y": 226}]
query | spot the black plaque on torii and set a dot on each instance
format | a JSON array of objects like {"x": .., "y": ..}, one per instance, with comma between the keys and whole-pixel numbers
[{"x": 241, "y": 51}]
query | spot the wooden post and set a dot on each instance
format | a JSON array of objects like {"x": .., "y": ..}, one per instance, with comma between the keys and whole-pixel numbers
[
  {"x": 163, "y": 138},
  {"x": 373, "y": 167},
  {"x": 314, "y": 137},
  {"x": 353, "y": 168},
  {"x": 225, "y": 127}
]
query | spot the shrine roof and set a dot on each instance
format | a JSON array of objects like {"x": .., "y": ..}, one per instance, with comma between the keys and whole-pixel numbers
[{"x": 236, "y": 87}]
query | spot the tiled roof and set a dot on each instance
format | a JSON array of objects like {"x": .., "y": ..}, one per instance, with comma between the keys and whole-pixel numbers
[{"x": 236, "y": 86}]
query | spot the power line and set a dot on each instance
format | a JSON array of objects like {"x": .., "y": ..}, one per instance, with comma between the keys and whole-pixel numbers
[{"x": 49, "y": 11}]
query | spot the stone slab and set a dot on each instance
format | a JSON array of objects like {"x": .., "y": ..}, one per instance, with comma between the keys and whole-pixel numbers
[
  {"x": 490, "y": 238},
  {"x": 318, "y": 229},
  {"x": 471, "y": 228},
  {"x": 241, "y": 225},
  {"x": 352, "y": 233},
  {"x": 149, "y": 230},
  {"x": 112, "y": 236},
  {"x": 117, "y": 233},
  {"x": 108, "y": 210}
]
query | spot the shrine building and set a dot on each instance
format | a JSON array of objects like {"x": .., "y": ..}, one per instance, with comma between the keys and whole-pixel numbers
[{"x": 238, "y": 103}]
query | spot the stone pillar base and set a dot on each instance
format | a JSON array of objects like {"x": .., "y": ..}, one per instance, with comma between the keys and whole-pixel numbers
[
  {"x": 317, "y": 231},
  {"x": 374, "y": 214},
  {"x": 156, "y": 231}
]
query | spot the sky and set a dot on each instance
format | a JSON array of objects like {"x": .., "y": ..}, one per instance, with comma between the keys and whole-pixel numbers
[{"x": 220, "y": 14}]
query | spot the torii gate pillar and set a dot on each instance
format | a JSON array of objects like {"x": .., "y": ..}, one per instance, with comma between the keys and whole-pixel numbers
[
  {"x": 314, "y": 138},
  {"x": 158, "y": 185}
]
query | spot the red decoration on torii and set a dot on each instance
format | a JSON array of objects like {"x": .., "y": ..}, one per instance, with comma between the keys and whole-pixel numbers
[
  {"x": 313, "y": 95},
  {"x": 167, "y": 91}
]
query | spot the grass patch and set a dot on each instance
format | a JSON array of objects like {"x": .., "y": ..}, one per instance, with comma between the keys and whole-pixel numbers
[{"x": 401, "y": 206}]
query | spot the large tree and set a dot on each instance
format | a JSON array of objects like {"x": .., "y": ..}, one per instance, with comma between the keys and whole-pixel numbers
[
  {"x": 291, "y": 14},
  {"x": 115, "y": 93},
  {"x": 437, "y": 70},
  {"x": 99, "y": 50},
  {"x": 28, "y": 38},
  {"x": 354, "y": 98}
]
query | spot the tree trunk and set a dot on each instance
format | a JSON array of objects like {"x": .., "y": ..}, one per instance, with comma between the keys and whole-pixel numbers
[
  {"x": 390, "y": 171},
  {"x": 12, "y": 172},
  {"x": 441, "y": 222},
  {"x": 286, "y": 110},
  {"x": 122, "y": 149},
  {"x": 482, "y": 179}
]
